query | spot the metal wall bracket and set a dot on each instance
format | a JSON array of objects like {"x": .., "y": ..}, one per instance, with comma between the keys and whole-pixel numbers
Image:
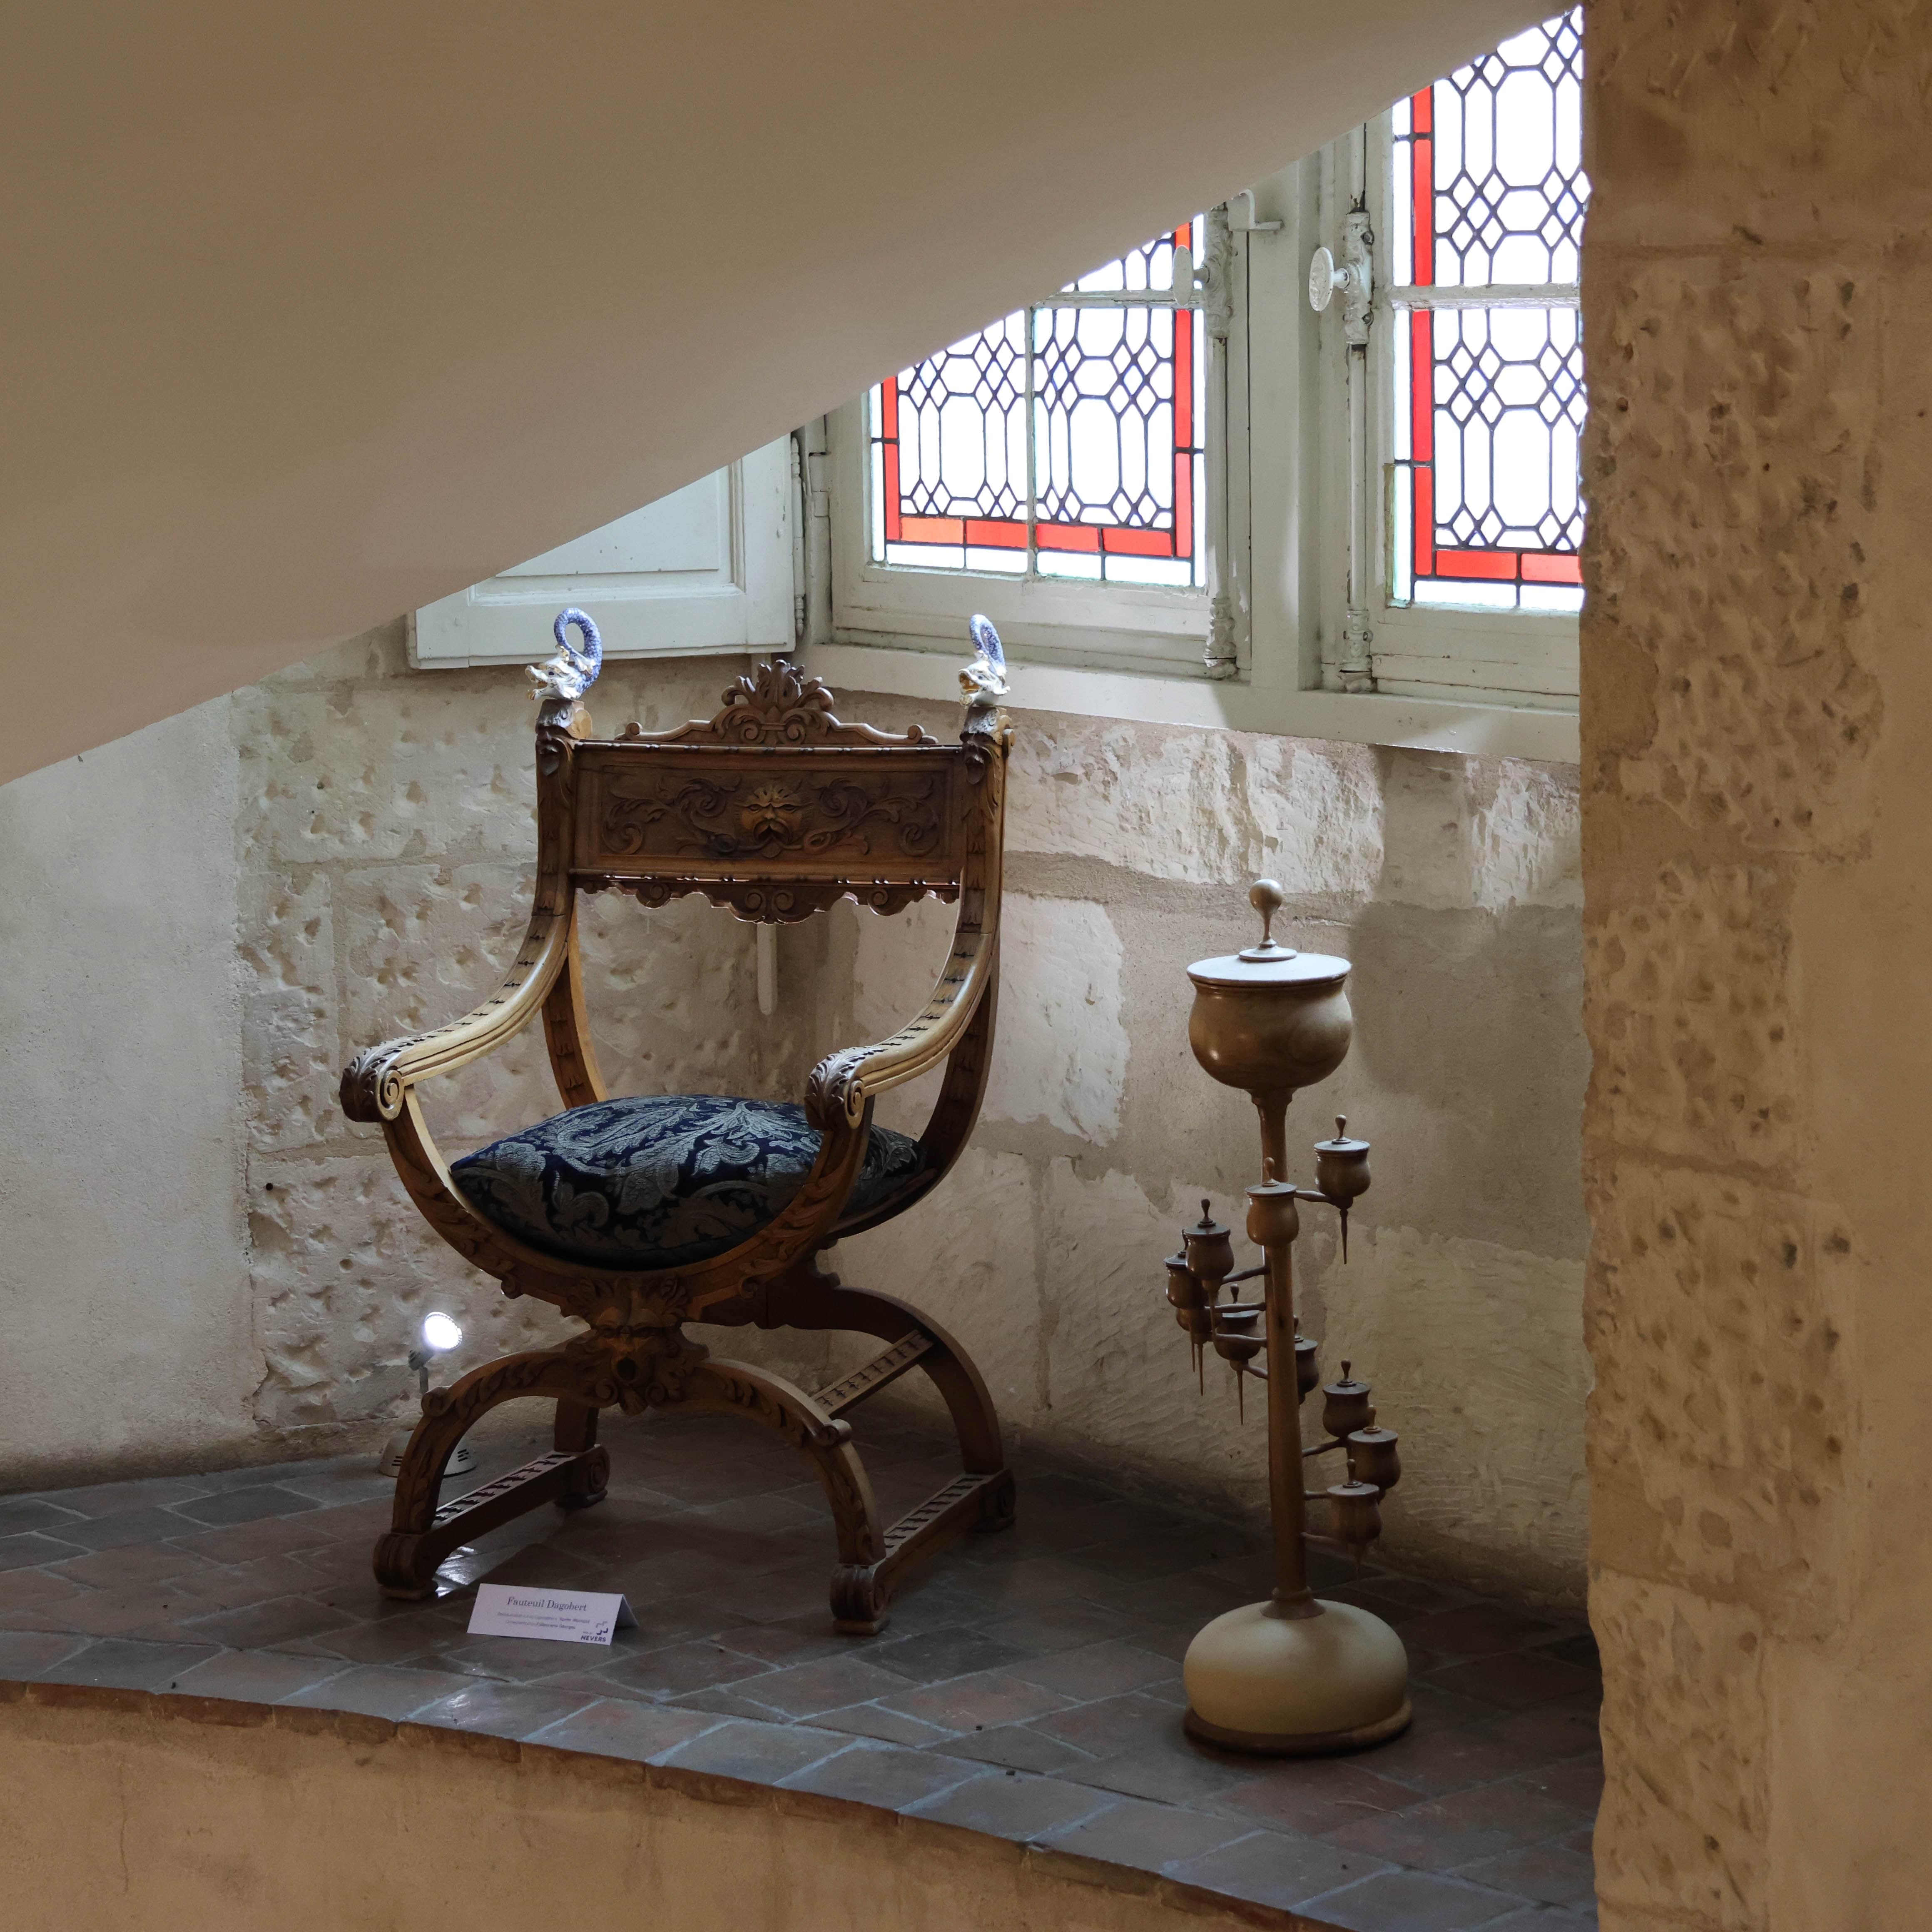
[{"x": 1241, "y": 219}]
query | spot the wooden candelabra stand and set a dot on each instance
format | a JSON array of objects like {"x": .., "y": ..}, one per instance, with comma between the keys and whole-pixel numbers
[{"x": 1296, "y": 1676}]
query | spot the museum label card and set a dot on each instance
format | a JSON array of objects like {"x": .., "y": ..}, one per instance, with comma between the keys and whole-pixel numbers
[{"x": 564, "y": 1616}]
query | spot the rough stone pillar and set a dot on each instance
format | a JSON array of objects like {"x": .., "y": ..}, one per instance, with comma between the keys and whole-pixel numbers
[{"x": 1757, "y": 806}]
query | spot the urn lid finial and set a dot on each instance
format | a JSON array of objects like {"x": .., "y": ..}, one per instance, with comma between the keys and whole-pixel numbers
[
  {"x": 1268, "y": 963},
  {"x": 1267, "y": 897}
]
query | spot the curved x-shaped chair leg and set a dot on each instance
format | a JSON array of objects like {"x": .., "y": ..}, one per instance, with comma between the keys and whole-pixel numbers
[
  {"x": 722, "y": 1387},
  {"x": 423, "y": 1531},
  {"x": 574, "y": 1473},
  {"x": 981, "y": 1498}
]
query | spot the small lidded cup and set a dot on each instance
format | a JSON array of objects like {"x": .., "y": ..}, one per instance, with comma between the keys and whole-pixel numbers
[{"x": 1341, "y": 1166}]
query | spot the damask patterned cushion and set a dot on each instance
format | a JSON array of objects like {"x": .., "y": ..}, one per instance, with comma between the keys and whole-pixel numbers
[{"x": 660, "y": 1180}]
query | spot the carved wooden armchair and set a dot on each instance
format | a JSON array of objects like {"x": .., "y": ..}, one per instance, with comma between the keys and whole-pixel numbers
[{"x": 638, "y": 1215}]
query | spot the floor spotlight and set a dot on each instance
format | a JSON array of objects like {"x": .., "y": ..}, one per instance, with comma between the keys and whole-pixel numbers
[{"x": 437, "y": 1336}]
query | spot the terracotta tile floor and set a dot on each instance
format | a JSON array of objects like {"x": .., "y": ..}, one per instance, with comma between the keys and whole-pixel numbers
[{"x": 1029, "y": 1684}]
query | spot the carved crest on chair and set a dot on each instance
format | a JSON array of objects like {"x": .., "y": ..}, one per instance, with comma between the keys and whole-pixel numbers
[
  {"x": 770, "y": 818},
  {"x": 778, "y": 704}
]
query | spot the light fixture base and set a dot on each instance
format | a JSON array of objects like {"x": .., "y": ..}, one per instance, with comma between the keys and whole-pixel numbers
[
  {"x": 1305, "y": 1686},
  {"x": 390, "y": 1462}
]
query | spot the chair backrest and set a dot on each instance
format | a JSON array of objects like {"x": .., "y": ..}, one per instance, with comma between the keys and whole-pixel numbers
[{"x": 776, "y": 809}]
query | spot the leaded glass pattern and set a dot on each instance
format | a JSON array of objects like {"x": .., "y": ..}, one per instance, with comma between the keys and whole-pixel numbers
[
  {"x": 1064, "y": 441},
  {"x": 1490, "y": 194}
]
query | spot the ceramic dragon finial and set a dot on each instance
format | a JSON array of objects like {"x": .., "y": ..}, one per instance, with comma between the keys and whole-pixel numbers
[
  {"x": 571, "y": 672},
  {"x": 984, "y": 680}
]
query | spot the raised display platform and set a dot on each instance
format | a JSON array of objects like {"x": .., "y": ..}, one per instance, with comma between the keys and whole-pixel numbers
[{"x": 1028, "y": 1687}]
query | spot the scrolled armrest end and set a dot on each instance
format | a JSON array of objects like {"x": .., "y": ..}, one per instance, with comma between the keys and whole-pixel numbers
[
  {"x": 372, "y": 1089},
  {"x": 833, "y": 1091}
]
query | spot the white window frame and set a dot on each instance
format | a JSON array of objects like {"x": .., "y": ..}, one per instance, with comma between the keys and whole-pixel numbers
[
  {"x": 1525, "y": 659},
  {"x": 1058, "y": 620},
  {"x": 645, "y": 604}
]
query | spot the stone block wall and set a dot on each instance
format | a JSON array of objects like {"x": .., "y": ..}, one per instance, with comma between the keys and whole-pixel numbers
[{"x": 1757, "y": 774}]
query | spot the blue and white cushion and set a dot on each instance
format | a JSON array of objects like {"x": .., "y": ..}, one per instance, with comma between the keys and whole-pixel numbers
[{"x": 661, "y": 1180}]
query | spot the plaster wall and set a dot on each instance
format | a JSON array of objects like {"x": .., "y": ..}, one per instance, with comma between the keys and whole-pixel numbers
[
  {"x": 124, "y": 1298},
  {"x": 1757, "y": 773}
]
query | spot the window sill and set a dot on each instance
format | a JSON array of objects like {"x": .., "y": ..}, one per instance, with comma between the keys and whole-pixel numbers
[{"x": 1435, "y": 724}]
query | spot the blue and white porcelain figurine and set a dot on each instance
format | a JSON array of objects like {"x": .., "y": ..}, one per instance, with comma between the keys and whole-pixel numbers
[
  {"x": 571, "y": 672},
  {"x": 984, "y": 680}
]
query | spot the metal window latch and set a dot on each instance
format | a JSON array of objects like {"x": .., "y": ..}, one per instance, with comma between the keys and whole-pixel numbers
[{"x": 1352, "y": 278}]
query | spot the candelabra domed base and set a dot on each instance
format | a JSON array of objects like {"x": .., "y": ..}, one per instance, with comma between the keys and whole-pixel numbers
[{"x": 1302, "y": 1686}]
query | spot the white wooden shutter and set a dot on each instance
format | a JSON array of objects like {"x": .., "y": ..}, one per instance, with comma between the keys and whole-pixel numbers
[{"x": 706, "y": 570}]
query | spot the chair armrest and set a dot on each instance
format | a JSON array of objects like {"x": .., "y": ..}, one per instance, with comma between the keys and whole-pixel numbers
[
  {"x": 843, "y": 1082},
  {"x": 375, "y": 1083}
]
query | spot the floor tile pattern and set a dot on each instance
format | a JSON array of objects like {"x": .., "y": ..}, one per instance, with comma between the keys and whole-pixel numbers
[{"x": 1028, "y": 1686}]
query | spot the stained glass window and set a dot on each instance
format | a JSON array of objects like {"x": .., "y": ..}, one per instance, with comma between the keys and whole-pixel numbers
[
  {"x": 1489, "y": 196},
  {"x": 1065, "y": 441}
]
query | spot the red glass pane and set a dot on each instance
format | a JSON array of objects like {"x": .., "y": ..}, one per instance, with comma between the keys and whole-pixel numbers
[
  {"x": 1423, "y": 482},
  {"x": 1422, "y": 161},
  {"x": 1498, "y": 566},
  {"x": 950, "y": 531},
  {"x": 1180, "y": 521},
  {"x": 1068, "y": 537},
  {"x": 1137, "y": 543}
]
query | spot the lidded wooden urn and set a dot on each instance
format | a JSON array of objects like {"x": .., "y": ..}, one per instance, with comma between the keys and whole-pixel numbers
[{"x": 1270, "y": 1020}]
